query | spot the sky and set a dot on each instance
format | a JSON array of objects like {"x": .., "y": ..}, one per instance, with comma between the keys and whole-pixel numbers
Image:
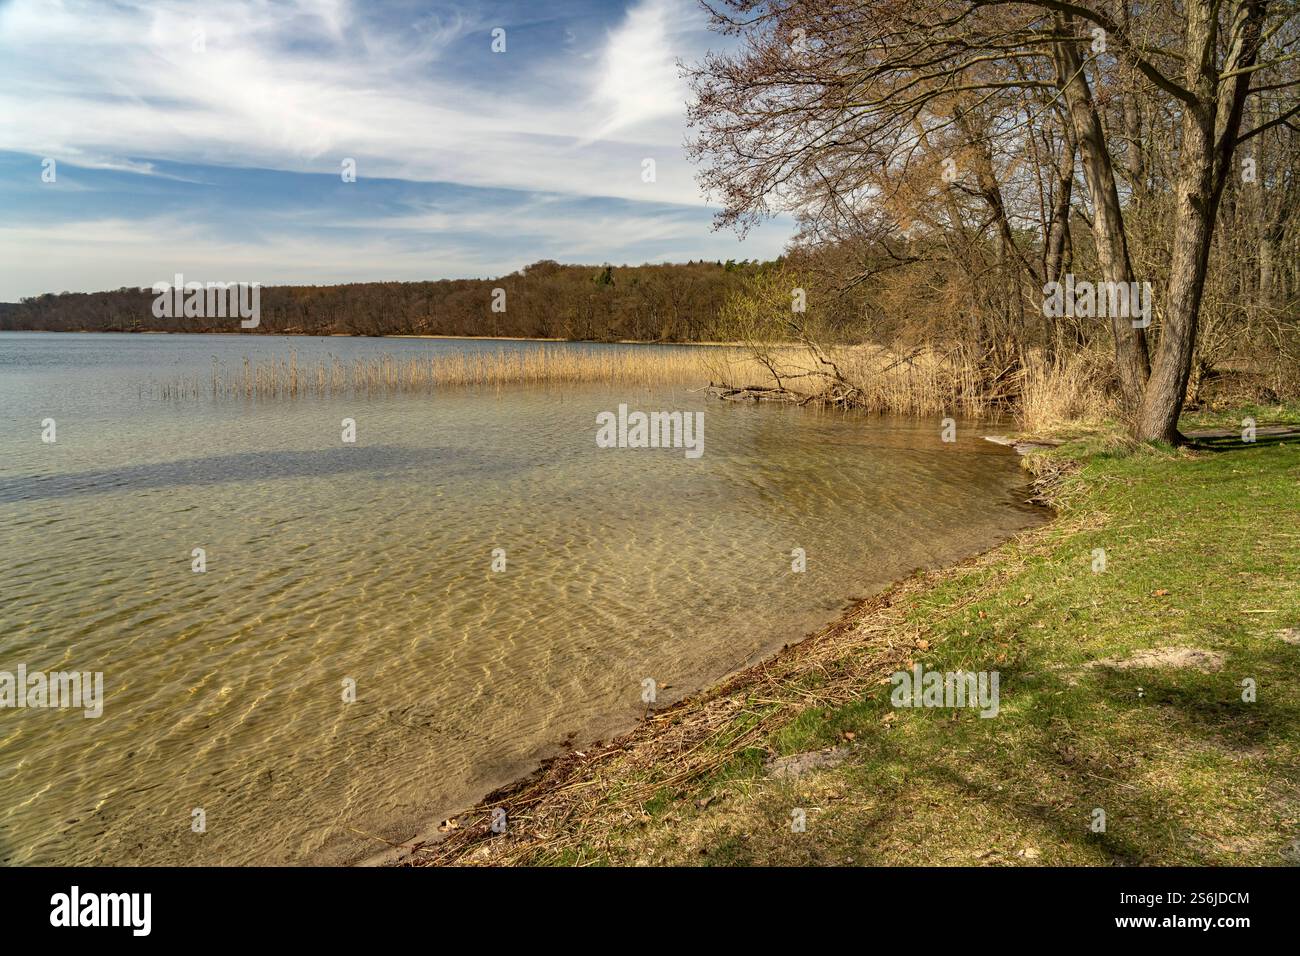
[{"x": 139, "y": 140}]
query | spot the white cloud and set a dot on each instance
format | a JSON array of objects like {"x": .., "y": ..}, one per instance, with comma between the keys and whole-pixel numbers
[
  {"x": 299, "y": 86},
  {"x": 107, "y": 253},
  {"x": 638, "y": 79},
  {"x": 111, "y": 253}
]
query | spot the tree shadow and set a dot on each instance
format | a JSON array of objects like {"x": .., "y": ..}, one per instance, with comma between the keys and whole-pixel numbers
[
  {"x": 1228, "y": 439},
  {"x": 1196, "y": 713}
]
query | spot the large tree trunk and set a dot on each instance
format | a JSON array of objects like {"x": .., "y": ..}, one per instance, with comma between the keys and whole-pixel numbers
[
  {"x": 1194, "y": 211},
  {"x": 1108, "y": 221},
  {"x": 1210, "y": 128}
]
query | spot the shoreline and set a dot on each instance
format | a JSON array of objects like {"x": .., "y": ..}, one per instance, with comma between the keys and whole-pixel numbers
[
  {"x": 1121, "y": 688},
  {"x": 403, "y": 335},
  {"x": 573, "y": 766}
]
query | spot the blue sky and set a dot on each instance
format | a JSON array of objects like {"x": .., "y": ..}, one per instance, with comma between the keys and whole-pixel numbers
[{"x": 208, "y": 139}]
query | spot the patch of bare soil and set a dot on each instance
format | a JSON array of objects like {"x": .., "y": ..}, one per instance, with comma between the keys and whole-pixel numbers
[
  {"x": 796, "y": 765},
  {"x": 1194, "y": 657}
]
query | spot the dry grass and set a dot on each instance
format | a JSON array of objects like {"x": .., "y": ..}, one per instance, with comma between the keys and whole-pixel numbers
[
  {"x": 1066, "y": 395},
  {"x": 924, "y": 382}
]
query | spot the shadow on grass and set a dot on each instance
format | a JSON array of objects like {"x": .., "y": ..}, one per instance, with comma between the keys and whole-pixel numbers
[
  {"x": 1209, "y": 708},
  {"x": 1220, "y": 440},
  {"x": 1078, "y": 765},
  {"x": 1196, "y": 713}
]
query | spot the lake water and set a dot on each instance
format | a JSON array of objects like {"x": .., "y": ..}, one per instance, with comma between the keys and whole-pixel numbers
[{"x": 331, "y": 565}]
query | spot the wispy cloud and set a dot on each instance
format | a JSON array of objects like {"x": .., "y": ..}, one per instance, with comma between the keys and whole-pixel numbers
[
  {"x": 638, "y": 79},
  {"x": 411, "y": 91}
]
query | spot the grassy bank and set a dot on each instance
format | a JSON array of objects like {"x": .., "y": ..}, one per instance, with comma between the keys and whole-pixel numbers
[{"x": 1121, "y": 689}]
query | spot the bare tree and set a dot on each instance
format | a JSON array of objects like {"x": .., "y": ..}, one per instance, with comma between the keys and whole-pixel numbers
[{"x": 824, "y": 101}]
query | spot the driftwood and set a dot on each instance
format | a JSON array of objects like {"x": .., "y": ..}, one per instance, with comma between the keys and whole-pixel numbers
[
  {"x": 833, "y": 398},
  {"x": 1025, "y": 446},
  {"x": 754, "y": 393}
]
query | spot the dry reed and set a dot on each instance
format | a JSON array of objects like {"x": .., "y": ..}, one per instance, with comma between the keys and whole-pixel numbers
[
  {"x": 1065, "y": 395},
  {"x": 924, "y": 382},
  {"x": 875, "y": 379},
  {"x": 385, "y": 374}
]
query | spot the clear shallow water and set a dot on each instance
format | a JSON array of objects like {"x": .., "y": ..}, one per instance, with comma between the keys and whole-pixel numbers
[{"x": 372, "y": 562}]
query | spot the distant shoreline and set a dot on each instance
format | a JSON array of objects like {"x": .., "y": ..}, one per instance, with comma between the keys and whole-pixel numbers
[{"x": 404, "y": 335}]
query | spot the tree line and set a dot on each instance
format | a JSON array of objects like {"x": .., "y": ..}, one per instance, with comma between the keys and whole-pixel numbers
[{"x": 658, "y": 303}]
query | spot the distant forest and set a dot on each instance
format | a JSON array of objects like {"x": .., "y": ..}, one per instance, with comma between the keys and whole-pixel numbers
[{"x": 661, "y": 303}]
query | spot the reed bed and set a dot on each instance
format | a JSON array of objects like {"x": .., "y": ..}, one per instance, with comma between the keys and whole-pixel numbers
[
  {"x": 872, "y": 378},
  {"x": 387, "y": 374},
  {"x": 880, "y": 380},
  {"x": 924, "y": 382},
  {"x": 1063, "y": 396},
  {"x": 1043, "y": 396}
]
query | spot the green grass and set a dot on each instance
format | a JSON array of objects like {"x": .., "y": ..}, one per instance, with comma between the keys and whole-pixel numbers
[
  {"x": 1288, "y": 414},
  {"x": 1202, "y": 551}
]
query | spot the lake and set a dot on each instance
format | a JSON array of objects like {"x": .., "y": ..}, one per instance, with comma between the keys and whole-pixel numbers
[{"x": 349, "y": 668}]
